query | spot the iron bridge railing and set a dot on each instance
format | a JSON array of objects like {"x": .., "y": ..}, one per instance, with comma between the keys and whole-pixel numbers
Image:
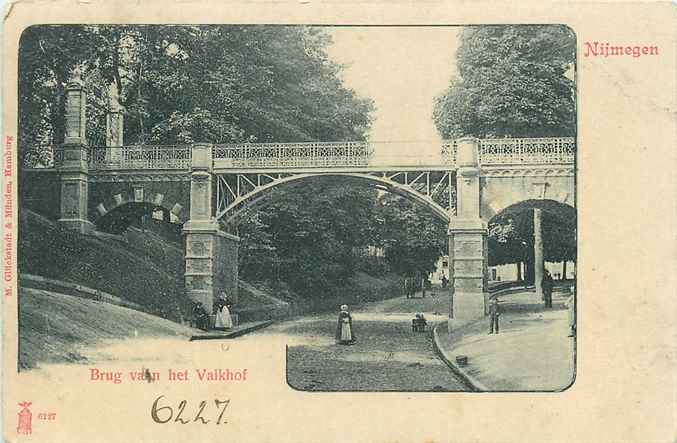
[
  {"x": 520, "y": 151},
  {"x": 491, "y": 152},
  {"x": 140, "y": 157},
  {"x": 293, "y": 155}
]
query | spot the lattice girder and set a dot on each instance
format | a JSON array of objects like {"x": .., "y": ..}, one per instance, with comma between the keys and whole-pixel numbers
[{"x": 435, "y": 189}]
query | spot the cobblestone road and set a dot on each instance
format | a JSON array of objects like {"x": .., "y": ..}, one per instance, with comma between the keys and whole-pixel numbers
[{"x": 388, "y": 356}]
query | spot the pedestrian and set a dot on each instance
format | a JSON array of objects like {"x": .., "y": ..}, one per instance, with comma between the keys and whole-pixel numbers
[
  {"x": 200, "y": 316},
  {"x": 494, "y": 314},
  {"x": 344, "y": 328},
  {"x": 223, "y": 320},
  {"x": 570, "y": 304},
  {"x": 547, "y": 284}
]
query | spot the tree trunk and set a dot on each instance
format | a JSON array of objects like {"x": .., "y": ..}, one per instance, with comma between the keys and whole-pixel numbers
[
  {"x": 564, "y": 269},
  {"x": 529, "y": 271},
  {"x": 519, "y": 270}
]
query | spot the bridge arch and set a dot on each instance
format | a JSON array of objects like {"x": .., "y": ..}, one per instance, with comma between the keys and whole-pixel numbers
[
  {"x": 502, "y": 188},
  {"x": 546, "y": 235},
  {"x": 116, "y": 213},
  {"x": 232, "y": 211},
  {"x": 562, "y": 210}
]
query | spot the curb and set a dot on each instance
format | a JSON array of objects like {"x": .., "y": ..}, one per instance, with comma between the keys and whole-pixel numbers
[
  {"x": 233, "y": 334},
  {"x": 472, "y": 382}
]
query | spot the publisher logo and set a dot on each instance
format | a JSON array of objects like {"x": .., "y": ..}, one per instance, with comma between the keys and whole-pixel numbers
[{"x": 25, "y": 419}]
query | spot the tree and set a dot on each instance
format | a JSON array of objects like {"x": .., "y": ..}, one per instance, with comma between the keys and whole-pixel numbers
[
  {"x": 511, "y": 83},
  {"x": 413, "y": 237},
  {"x": 511, "y": 239},
  {"x": 313, "y": 231},
  {"x": 48, "y": 56},
  {"x": 181, "y": 84}
]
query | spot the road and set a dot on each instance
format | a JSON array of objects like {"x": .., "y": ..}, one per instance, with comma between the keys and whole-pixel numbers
[{"x": 388, "y": 356}]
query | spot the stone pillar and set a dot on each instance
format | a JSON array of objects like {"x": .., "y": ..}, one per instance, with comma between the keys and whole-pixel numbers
[
  {"x": 211, "y": 255},
  {"x": 538, "y": 254},
  {"x": 114, "y": 127},
  {"x": 467, "y": 241},
  {"x": 72, "y": 164}
]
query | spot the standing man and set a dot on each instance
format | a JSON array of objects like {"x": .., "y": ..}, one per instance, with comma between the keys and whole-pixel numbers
[
  {"x": 547, "y": 283},
  {"x": 494, "y": 313}
]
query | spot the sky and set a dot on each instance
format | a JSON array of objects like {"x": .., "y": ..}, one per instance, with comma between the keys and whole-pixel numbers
[{"x": 402, "y": 69}]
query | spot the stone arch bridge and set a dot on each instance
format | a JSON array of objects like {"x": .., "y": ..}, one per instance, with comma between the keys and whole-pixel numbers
[{"x": 204, "y": 187}]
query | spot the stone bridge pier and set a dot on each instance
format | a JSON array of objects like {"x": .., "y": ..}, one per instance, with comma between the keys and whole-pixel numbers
[
  {"x": 211, "y": 254},
  {"x": 467, "y": 241}
]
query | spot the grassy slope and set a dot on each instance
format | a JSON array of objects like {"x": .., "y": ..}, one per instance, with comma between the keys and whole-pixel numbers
[
  {"x": 55, "y": 334},
  {"x": 144, "y": 270},
  {"x": 147, "y": 269},
  {"x": 249, "y": 296}
]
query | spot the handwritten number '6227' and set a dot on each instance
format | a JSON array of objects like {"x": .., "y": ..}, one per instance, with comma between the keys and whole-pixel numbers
[{"x": 168, "y": 412}]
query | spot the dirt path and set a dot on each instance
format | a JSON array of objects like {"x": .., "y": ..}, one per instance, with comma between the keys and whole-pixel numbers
[{"x": 388, "y": 356}]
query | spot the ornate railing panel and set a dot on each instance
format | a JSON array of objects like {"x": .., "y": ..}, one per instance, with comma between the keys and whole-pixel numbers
[
  {"x": 140, "y": 157},
  {"x": 520, "y": 151},
  {"x": 449, "y": 152},
  {"x": 289, "y": 155}
]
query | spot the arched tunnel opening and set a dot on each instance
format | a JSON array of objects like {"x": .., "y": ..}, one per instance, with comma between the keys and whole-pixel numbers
[
  {"x": 143, "y": 216},
  {"x": 511, "y": 240}
]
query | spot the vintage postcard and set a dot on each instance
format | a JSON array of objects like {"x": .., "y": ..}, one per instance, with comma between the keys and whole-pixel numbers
[{"x": 324, "y": 222}]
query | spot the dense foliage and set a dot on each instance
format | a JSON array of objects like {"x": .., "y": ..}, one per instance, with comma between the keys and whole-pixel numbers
[
  {"x": 310, "y": 235},
  {"x": 180, "y": 84},
  {"x": 314, "y": 236},
  {"x": 413, "y": 237},
  {"x": 511, "y": 83}
]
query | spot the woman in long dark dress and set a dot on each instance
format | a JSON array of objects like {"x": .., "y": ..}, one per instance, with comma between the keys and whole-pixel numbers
[{"x": 344, "y": 328}]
